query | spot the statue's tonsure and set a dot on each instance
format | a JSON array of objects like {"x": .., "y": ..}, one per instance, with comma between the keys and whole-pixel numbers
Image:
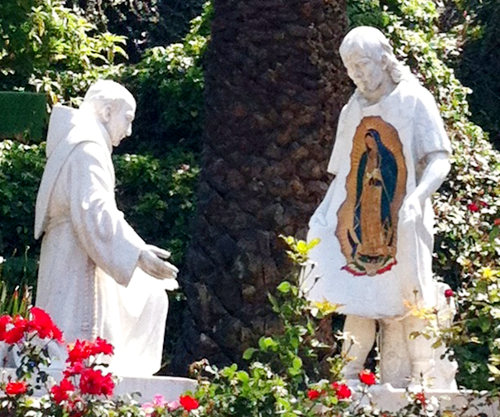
[
  {"x": 96, "y": 274},
  {"x": 375, "y": 222}
]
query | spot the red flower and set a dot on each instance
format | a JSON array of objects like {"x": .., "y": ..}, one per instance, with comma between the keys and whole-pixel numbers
[
  {"x": 16, "y": 333},
  {"x": 93, "y": 382},
  {"x": 497, "y": 222},
  {"x": 188, "y": 402},
  {"x": 79, "y": 351},
  {"x": 420, "y": 397},
  {"x": 74, "y": 369},
  {"x": 43, "y": 325},
  {"x": 367, "y": 377},
  {"x": 60, "y": 392},
  {"x": 312, "y": 394},
  {"x": 448, "y": 293},
  {"x": 4, "y": 322},
  {"x": 473, "y": 207},
  {"x": 16, "y": 388},
  {"x": 101, "y": 346},
  {"x": 341, "y": 390}
]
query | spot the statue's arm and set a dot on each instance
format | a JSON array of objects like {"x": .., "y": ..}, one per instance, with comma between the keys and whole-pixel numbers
[
  {"x": 106, "y": 236},
  {"x": 436, "y": 169},
  {"x": 152, "y": 261}
]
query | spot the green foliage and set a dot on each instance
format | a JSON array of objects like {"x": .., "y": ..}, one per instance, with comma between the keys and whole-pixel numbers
[
  {"x": 21, "y": 168},
  {"x": 157, "y": 196},
  {"x": 12, "y": 303},
  {"x": 175, "y": 74},
  {"x": 479, "y": 65},
  {"x": 50, "y": 48},
  {"x": 22, "y": 115},
  {"x": 469, "y": 201},
  {"x": 146, "y": 23}
]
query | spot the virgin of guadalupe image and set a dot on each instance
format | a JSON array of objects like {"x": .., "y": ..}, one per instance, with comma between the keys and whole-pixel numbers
[
  {"x": 373, "y": 225},
  {"x": 368, "y": 226}
]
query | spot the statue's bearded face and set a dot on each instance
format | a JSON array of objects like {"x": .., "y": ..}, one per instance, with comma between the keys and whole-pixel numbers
[
  {"x": 366, "y": 71},
  {"x": 120, "y": 121}
]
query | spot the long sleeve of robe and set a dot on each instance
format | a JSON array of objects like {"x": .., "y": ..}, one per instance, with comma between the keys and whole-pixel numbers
[{"x": 88, "y": 281}]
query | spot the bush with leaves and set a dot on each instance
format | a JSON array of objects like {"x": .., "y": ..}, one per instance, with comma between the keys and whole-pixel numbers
[
  {"x": 146, "y": 23},
  {"x": 21, "y": 168},
  {"x": 50, "y": 48},
  {"x": 175, "y": 74}
]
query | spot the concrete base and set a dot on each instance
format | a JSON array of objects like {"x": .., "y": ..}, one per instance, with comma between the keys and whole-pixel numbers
[
  {"x": 462, "y": 403},
  {"x": 383, "y": 397},
  {"x": 171, "y": 387}
]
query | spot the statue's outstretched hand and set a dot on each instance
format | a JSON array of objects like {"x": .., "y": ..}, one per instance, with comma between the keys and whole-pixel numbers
[
  {"x": 151, "y": 261},
  {"x": 411, "y": 208}
]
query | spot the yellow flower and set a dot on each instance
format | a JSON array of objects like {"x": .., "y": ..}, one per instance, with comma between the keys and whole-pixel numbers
[
  {"x": 325, "y": 307},
  {"x": 489, "y": 274}
]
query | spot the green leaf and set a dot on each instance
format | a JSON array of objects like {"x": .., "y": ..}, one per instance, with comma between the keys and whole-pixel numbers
[
  {"x": 266, "y": 343},
  {"x": 284, "y": 287},
  {"x": 247, "y": 354}
]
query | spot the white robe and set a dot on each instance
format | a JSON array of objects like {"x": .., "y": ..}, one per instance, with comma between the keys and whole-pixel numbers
[
  {"x": 411, "y": 110},
  {"x": 88, "y": 281}
]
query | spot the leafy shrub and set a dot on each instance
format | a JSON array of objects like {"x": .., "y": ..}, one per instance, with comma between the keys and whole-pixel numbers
[
  {"x": 50, "y": 48},
  {"x": 175, "y": 75},
  {"x": 479, "y": 65},
  {"x": 157, "y": 196},
  {"x": 146, "y": 23},
  {"x": 21, "y": 168}
]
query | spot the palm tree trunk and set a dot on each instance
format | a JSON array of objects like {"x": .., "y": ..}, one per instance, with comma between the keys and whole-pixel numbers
[{"x": 275, "y": 86}]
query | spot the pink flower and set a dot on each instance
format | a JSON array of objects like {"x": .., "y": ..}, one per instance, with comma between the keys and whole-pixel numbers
[
  {"x": 173, "y": 405},
  {"x": 367, "y": 377}
]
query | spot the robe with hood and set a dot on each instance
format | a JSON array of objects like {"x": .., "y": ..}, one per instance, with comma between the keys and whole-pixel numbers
[{"x": 87, "y": 280}]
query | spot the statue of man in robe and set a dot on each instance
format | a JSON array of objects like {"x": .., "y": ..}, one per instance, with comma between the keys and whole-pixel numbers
[
  {"x": 97, "y": 277},
  {"x": 375, "y": 223}
]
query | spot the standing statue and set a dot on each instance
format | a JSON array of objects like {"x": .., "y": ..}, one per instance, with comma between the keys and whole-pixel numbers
[
  {"x": 97, "y": 277},
  {"x": 375, "y": 222}
]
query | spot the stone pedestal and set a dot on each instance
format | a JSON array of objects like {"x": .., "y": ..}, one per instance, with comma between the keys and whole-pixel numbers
[
  {"x": 461, "y": 403},
  {"x": 171, "y": 387}
]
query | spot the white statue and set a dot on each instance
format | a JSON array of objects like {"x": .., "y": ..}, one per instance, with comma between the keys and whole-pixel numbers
[
  {"x": 96, "y": 273},
  {"x": 375, "y": 222}
]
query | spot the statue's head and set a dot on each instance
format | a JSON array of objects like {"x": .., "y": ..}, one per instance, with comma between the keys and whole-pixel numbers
[
  {"x": 369, "y": 59},
  {"x": 114, "y": 107}
]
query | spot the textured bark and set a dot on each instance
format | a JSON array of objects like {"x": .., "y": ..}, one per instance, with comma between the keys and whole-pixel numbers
[{"x": 274, "y": 89}]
